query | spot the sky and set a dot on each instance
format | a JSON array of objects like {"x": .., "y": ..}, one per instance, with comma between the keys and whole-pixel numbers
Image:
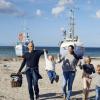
[{"x": 44, "y": 19}]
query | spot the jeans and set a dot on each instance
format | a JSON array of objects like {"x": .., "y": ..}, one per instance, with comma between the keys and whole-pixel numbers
[
  {"x": 68, "y": 78},
  {"x": 32, "y": 81},
  {"x": 51, "y": 75},
  {"x": 97, "y": 93}
]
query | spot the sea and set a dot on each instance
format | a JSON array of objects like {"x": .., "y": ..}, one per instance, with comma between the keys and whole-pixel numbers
[{"x": 9, "y": 51}]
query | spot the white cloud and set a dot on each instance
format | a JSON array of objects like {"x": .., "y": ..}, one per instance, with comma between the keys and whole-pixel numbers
[
  {"x": 64, "y": 2},
  {"x": 61, "y": 6},
  {"x": 39, "y": 12},
  {"x": 57, "y": 10},
  {"x": 98, "y": 14},
  {"x": 7, "y": 7}
]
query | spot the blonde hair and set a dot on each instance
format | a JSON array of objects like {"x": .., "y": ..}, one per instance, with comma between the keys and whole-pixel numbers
[
  {"x": 85, "y": 59},
  {"x": 52, "y": 57},
  {"x": 98, "y": 69}
]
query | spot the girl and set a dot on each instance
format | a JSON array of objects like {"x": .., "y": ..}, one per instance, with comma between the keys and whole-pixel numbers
[{"x": 88, "y": 69}]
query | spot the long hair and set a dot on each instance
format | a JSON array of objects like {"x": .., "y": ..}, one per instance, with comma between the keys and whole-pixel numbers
[
  {"x": 71, "y": 46},
  {"x": 32, "y": 44}
]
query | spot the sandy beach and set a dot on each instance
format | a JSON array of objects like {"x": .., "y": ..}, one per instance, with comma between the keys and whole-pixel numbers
[{"x": 47, "y": 91}]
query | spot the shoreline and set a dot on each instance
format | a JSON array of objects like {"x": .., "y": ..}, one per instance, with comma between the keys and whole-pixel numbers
[{"x": 20, "y": 58}]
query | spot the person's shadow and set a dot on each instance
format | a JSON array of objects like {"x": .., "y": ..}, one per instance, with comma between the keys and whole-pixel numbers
[
  {"x": 80, "y": 92},
  {"x": 59, "y": 96},
  {"x": 92, "y": 98},
  {"x": 53, "y": 96}
]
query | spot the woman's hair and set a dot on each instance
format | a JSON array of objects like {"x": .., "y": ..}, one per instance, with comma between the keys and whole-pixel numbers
[
  {"x": 31, "y": 43},
  {"x": 71, "y": 46}
]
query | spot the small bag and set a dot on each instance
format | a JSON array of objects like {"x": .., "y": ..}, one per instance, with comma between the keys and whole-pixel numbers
[{"x": 16, "y": 80}]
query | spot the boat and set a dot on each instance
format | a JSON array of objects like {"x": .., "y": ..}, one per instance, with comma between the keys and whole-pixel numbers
[
  {"x": 71, "y": 39},
  {"x": 22, "y": 43}
]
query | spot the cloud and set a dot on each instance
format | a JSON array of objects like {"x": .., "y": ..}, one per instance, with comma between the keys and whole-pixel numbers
[
  {"x": 57, "y": 10},
  {"x": 7, "y": 7},
  {"x": 39, "y": 12},
  {"x": 98, "y": 14},
  {"x": 64, "y": 2},
  {"x": 60, "y": 7}
]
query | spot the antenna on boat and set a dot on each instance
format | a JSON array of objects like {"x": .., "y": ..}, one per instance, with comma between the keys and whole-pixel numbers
[
  {"x": 26, "y": 31},
  {"x": 71, "y": 30}
]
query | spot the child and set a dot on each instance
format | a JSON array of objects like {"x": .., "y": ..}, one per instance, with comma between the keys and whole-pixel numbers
[
  {"x": 50, "y": 67},
  {"x": 88, "y": 69},
  {"x": 96, "y": 78}
]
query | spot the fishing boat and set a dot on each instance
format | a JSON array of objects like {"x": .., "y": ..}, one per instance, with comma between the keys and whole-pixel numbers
[
  {"x": 22, "y": 43},
  {"x": 71, "y": 39}
]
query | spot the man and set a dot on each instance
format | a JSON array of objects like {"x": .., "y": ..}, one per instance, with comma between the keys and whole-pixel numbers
[{"x": 31, "y": 60}]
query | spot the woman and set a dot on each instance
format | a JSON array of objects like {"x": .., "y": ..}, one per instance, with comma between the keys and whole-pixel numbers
[
  {"x": 31, "y": 60},
  {"x": 69, "y": 70}
]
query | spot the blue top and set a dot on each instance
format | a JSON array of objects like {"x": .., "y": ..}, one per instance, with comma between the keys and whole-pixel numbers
[{"x": 88, "y": 68}]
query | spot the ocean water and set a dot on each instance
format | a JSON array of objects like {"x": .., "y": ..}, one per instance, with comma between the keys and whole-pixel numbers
[{"x": 9, "y": 51}]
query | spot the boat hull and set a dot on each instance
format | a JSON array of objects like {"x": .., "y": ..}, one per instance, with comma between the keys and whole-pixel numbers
[
  {"x": 19, "y": 50},
  {"x": 78, "y": 48}
]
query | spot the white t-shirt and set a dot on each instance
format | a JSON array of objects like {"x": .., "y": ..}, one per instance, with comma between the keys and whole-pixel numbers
[
  {"x": 50, "y": 65},
  {"x": 96, "y": 78}
]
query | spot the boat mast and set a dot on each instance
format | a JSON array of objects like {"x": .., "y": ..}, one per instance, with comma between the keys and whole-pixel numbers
[
  {"x": 71, "y": 30},
  {"x": 28, "y": 37}
]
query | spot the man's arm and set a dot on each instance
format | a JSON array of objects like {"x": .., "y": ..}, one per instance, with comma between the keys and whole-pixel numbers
[
  {"x": 22, "y": 65},
  {"x": 40, "y": 52}
]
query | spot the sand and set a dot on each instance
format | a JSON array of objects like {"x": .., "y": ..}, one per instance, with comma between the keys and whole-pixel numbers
[{"x": 47, "y": 91}]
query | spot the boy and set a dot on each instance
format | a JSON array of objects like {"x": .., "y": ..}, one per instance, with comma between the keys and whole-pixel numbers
[{"x": 96, "y": 78}]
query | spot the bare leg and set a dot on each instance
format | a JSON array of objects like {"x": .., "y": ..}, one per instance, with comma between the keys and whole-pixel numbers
[
  {"x": 88, "y": 86},
  {"x": 85, "y": 95}
]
